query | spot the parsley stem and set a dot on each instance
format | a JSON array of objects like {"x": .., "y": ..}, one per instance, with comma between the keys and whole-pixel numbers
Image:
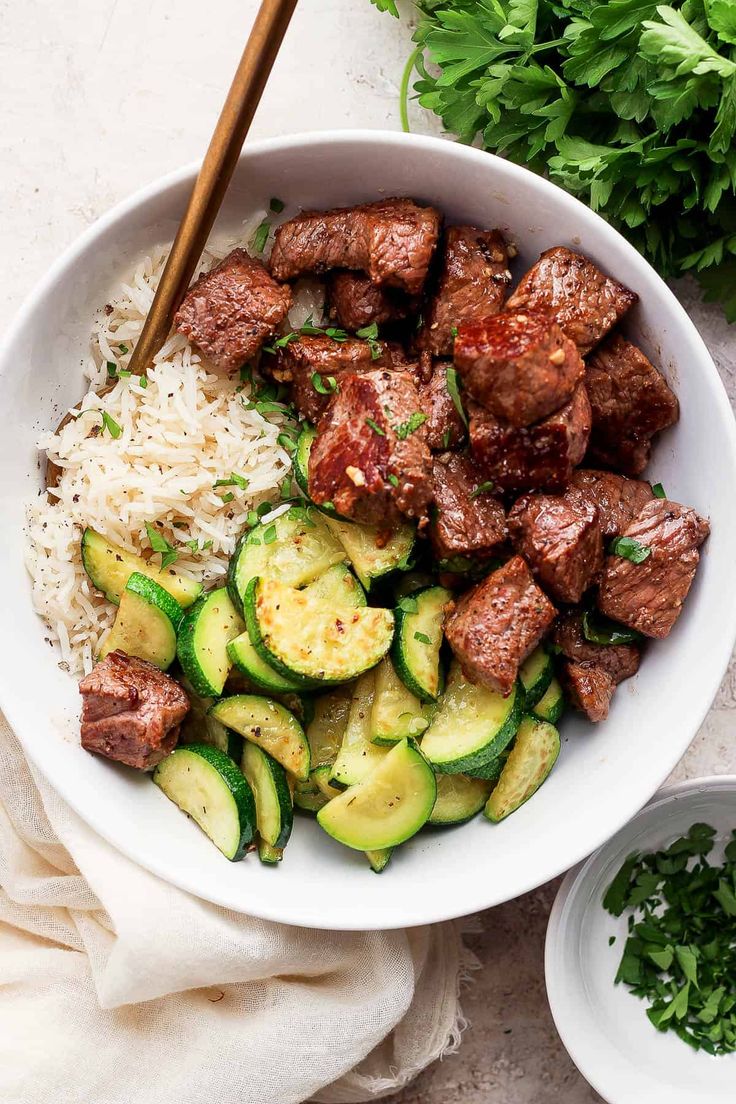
[{"x": 411, "y": 62}]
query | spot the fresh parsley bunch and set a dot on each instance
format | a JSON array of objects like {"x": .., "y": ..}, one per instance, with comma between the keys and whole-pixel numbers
[{"x": 628, "y": 104}]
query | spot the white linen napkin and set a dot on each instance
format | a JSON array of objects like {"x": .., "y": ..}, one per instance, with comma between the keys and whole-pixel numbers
[{"x": 117, "y": 987}]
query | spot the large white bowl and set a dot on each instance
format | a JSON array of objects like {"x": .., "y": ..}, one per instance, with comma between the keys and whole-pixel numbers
[{"x": 605, "y": 773}]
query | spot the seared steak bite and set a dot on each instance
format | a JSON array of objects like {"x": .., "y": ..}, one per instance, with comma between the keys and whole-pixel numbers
[
  {"x": 467, "y": 520},
  {"x": 445, "y": 429},
  {"x": 473, "y": 280},
  {"x": 354, "y": 302},
  {"x": 568, "y": 287},
  {"x": 648, "y": 595},
  {"x": 297, "y": 363},
  {"x": 559, "y": 536},
  {"x": 393, "y": 241},
  {"x": 370, "y": 457},
  {"x": 619, "y": 661},
  {"x": 536, "y": 457},
  {"x": 631, "y": 401},
  {"x": 519, "y": 365},
  {"x": 619, "y": 500},
  {"x": 497, "y": 624},
  {"x": 131, "y": 711},
  {"x": 589, "y": 688},
  {"x": 230, "y": 311}
]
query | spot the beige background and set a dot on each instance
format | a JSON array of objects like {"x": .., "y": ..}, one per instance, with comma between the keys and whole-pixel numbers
[{"x": 98, "y": 97}]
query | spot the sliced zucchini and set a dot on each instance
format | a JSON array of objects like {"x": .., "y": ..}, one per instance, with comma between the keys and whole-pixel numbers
[
  {"x": 552, "y": 705},
  {"x": 459, "y": 798},
  {"x": 206, "y": 784},
  {"x": 267, "y": 723},
  {"x": 338, "y": 585},
  {"x": 146, "y": 623},
  {"x": 472, "y": 725},
  {"x": 396, "y": 712},
  {"x": 247, "y": 660},
  {"x": 269, "y": 855},
  {"x": 321, "y": 777},
  {"x": 295, "y": 548},
  {"x": 532, "y": 757},
  {"x": 490, "y": 771},
  {"x": 535, "y": 674},
  {"x": 274, "y": 809},
  {"x": 418, "y": 639},
  {"x": 200, "y": 727},
  {"x": 379, "y": 859},
  {"x": 371, "y": 554},
  {"x": 109, "y": 567},
  {"x": 358, "y": 756},
  {"x": 301, "y": 470},
  {"x": 312, "y": 640},
  {"x": 389, "y": 806},
  {"x": 204, "y": 634},
  {"x": 308, "y": 796},
  {"x": 327, "y": 727}
]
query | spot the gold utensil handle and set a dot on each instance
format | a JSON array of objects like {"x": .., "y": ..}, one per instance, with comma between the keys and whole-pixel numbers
[{"x": 214, "y": 176}]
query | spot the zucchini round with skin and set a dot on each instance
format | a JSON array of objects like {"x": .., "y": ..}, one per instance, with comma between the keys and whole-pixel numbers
[
  {"x": 396, "y": 712},
  {"x": 358, "y": 756},
  {"x": 294, "y": 548},
  {"x": 300, "y": 463},
  {"x": 274, "y": 809},
  {"x": 535, "y": 675},
  {"x": 530, "y": 760},
  {"x": 109, "y": 568},
  {"x": 418, "y": 639},
  {"x": 308, "y": 796},
  {"x": 200, "y": 727},
  {"x": 338, "y": 585},
  {"x": 206, "y": 784},
  {"x": 379, "y": 860},
  {"x": 388, "y": 807},
  {"x": 146, "y": 623},
  {"x": 471, "y": 726},
  {"x": 204, "y": 634},
  {"x": 321, "y": 777},
  {"x": 490, "y": 771},
  {"x": 459, "y": 798},
  {"x": 327, "y": 727},
  {"x": 269, "y": 855},
  {"x": 247, "y": 660},
  {"x": 371, "y": 555},
  {"x": 552, "y": 705},
  {"x": 270, "y": 725},
  {"x": 311, "y": 640}
]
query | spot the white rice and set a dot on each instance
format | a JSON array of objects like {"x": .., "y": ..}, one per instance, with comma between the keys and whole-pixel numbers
[{"x": 187, "y": 429}]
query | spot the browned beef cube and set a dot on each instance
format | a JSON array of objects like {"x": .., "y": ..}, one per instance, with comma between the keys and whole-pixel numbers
[
  {"x": 537, "y": 457},
  {"x": 648, "y": 596},
  {"x": 230, "y": 311},
  {"x": 370, "y": 456},
  {"x": 631, "y": 401},
  {"x": 619, "y": 500},
  {"x": 131, "y": 711},
  {"x": 588, "y": 688},
  {"x": 571, "y": 289},
  {"x": 559, "y": 536},
  {"x": 355, "y": 302},
  {"x": 311, "y": 356},
  {"x": 393, "y": 241},
  {"x": 445, "y": 429},
  {"x": 473, "y": 280},
  {"x": 497, "y": 624},
  {"x": 519, "y": 365},
  {"x": 619, "y": 661},
  {"x": 467, "y": 520}
]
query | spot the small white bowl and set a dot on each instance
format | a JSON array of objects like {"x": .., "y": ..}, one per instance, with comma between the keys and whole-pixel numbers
[
  {"x": 605, "y": 772},
  {"x": 603, "y": 1026}
]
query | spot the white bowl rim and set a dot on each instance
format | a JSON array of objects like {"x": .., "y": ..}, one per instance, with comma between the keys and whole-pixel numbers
[
  {"x": 445, "y": 907},
  {"x": 553, "y": 942}
]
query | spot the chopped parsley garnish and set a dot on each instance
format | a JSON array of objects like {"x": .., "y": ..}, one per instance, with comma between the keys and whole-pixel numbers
[
  {"x": 453, "y": 388},
  {"x": 393, "y": 479},
  {"x": 109, "y": 424},
  {"x": 143, "y": 382},
  {"x": 227, "y": 497},
  {"x": 233, "y": 480},
  {"x": 453, "y": 331},
  {"x": 192, "y": 545},
  {"x": 370, "y": 334},
  {"x": 446, "y": 439},
  {"x": 158, "y": 543},
  {"x": 375, "y": 427},
  {"x": 422, "y": 638},
  {"x": 261, "y": 236},
  {"x": 658, "y": 490},
  {"x": 483, "y": 488},
  {"x": 264, "y": 508},
  {"x": 269, "y": 535},
  {"x": 411, "y": 425},
  {"x": 123, "y": 348},
  {"x": 287, "y": 441},
  {"x": 680, "y": 953},
  {"x": 124, "y": 373},
  {"x": 112, "y": 368},
  {"x": 630, "y": 549},
  {"x": 252, "y": 519},
  {"x": 276, "y": 205},
  {"x": 408, "y": 604},
  {"x": 326, "y": 385}
]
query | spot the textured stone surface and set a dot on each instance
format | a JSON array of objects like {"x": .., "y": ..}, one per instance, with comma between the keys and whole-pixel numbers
[{"x": 98, "y": 98}]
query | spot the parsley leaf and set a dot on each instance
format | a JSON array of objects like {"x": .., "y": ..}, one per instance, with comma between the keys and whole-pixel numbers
[
  {"x": 370, "y": 334},
  {"x": 483, "y": 488},
  {"x": 422, "y": 638},
  {"x": 658, "y": 490},
  {"x": 276, "y": 205},
  {"x": 158, "y": 543},
  {"x": 453, "y": 387},
  {"x": 630, "y": 549},
  {"x": 375, "y": 427},
  {"x": 261, "y": 236},
  {"x": 324, "y": 385},
  {"x": 411, "y": 425},
  {"x": 109, "y": 424}
]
